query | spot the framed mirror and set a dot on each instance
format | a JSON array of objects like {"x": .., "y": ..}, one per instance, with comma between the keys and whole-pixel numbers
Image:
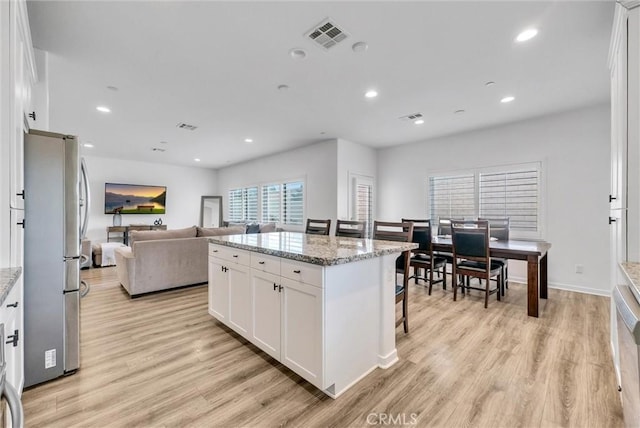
[{"x": 211, "y": 211}]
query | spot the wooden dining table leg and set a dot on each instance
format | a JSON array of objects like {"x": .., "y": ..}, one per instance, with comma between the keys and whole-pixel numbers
[
  {"x": 532, "y": 285},
  {"x": 543, "y": 276}
]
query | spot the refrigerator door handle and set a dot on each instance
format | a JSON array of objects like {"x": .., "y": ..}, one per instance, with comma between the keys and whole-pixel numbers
[
  {"x": 87, "y": 199},
  {"x": 85, "y": 291}
]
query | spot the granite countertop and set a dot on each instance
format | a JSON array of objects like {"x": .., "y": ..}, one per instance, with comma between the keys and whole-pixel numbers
[
  {"x": 315, "y": 249},
  {"x": 8, "y": 277},
  {"x": 632, "y": 271}
]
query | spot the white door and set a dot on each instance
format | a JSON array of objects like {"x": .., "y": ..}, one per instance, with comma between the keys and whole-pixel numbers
[
  {"x": 265, "y": 295},
  {"x": 302, "y": 333},
  {"x": 218, "y": 290},
  {"x": 239, "y": 299}
]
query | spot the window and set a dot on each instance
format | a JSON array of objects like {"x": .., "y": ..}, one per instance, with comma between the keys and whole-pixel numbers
[
  {"x": 243, "y": 204},
  {"x": 271, "y": 202},
  {"x": 508, "y": 191},
  {"x": 361, "y": 200},
  {"x": 293, "y": 203},
  {"x": 283, "y": 203}
]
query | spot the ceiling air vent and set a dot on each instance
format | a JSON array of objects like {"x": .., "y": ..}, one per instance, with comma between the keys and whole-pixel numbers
[
  {"x": 186, "y": 126},
  {"x": 413, "y": 116},
  {"x": 327, "y": 34},
  {"x": 158, "y": 149}
]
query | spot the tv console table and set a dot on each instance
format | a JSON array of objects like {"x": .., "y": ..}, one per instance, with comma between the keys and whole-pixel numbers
[{"x": 122, "y": 232}]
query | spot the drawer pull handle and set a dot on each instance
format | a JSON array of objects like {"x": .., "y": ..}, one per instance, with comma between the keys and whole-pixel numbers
[
  {"x": 215, "y": 251},
  {"x": 12, "y": 305},
  {"x": 235, "y": 255},
  {"x": 260, "y": 263},
  {"x": 275, "y": 287},
  {"x": 13, "y": 339},
  {"x": 296, "y": 271}
]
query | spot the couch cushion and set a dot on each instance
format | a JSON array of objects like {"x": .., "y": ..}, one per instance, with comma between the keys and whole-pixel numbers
[
  {"x": 152, "y": 235},
  {"x": 253, "y": 228},
  {"x": 219, "y": 231},
  {"x": 267, "y": 227}
]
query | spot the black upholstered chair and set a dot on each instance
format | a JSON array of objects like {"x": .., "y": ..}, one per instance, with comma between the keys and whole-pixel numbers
[
  {"x": 318, "y": 227},
  {"x": 499, "y": 230},
  {"x": 471, "y": 258},
  {"x": 351, "y": 229},
  {"x": 423, "y": 257},
  {"x": 390, "y": 231}
]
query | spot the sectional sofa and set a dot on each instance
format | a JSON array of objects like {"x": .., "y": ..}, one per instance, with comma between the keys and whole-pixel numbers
[{"x": 164, "y": 259}]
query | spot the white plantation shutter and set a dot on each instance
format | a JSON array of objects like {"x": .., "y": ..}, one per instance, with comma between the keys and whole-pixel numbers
[
  {"x": 235, "y": 205},
  {"x": 512, "y": 194},
  {"x": 271, "y": 203},
  {"x": 293, "y": 203},
  {"x": 251, "y": 204},
  {"x": 452, "y": 196},
  {"x": 243, "y": 204},
  {"x": 364, "y": 205}
]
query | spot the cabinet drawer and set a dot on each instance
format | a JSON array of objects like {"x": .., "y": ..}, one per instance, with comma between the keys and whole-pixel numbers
[
  {"x": 303, "y": 272},
  {"x": 230, "y": 254},
  {"x": 265, "y": 263}
]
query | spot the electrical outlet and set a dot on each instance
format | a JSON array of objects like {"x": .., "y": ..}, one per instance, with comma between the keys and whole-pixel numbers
[
  {"x": 49, "y": 358},
  {"x": 579, "y": 268}
]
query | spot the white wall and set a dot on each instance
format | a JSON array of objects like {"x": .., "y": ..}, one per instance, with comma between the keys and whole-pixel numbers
[
  {"x": 315, "y": 163},
  {"x": 574, "y": 149},
  {"x": 353, "y": 158},
  {"x": 185, "y": 186}
]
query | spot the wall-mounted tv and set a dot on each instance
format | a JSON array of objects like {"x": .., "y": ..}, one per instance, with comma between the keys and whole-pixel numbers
[{"x": 134, "y": 199}]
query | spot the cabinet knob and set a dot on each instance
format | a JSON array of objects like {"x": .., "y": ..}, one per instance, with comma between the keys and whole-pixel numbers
[
  {"x": 260, "y": 263},
  {"x": 279, "y": 288},
  {"x": 12, "y": 305},
  {"x": 13, "y": 339},
  {"x": 22, "y": 223},
  {"x": 235, "y": 256},
  {"x": 612, "y": 220},
  {"x": 32, "y": 115},
  {"x": 275, "y": 286},
  {"x": 296, "y": 271},
  {"x": 21, "y": 194},
  {"x": 612, "y": 198}
]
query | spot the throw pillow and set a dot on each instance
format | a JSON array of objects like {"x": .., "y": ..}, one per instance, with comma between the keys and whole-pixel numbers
[{"x": 253, "y": 228}]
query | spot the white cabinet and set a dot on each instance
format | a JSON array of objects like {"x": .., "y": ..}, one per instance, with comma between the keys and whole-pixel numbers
[
  {"x": 230, "y": 288},
  {"x": 265, "y": 296},
  {"x": 12, "y": 318},
  {"x": 302, "y": 332}
]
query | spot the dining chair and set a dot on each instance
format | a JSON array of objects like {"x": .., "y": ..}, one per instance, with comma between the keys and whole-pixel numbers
[
  {"x": 423, "y": 256},
  {"x": 499, "y": 230},
  {"x": 402, "y": 232},
  {"x": 470, "y": 245},
  {"x": 318, "y": 227},
  {"x": 351, "y": 229}
]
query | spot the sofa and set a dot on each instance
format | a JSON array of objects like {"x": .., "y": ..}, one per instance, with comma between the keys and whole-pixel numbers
[{"x": 163, "y": 259}]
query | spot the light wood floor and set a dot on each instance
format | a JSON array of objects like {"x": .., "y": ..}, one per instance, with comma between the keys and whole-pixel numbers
[{"x": 162, "y": 361}]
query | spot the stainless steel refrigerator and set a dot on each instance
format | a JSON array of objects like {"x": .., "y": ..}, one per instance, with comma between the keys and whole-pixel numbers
[{"x": 53, "y": 183}]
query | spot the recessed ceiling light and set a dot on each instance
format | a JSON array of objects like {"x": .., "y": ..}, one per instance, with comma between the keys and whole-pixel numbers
[
  {"x": 490, "y": 83},
  {"x": 360, "y": 47},
  {"x": 297, "y": 53},
  {"x": 527, "y": 35},
  {"x": 371, "y": 93},
  {"x": 103, "y": 109},
  {"x": 507, "y": 99},
  {"x": 419, "y": 122},
  {"x": 197, "y": 159},
  {"x": 89, "y": 145},
  {"x": 248, "y": 140}
]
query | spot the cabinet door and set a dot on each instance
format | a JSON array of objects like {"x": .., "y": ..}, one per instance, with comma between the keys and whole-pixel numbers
[
  {"x": 16, "y": 232},
  {"x": 17, "y": 130},
  {"x": 239, "y": 299},
  {"x": 218, "y": 290},
  {"x": 302, "y": 332},
  {"x": 265, "y": 295}
]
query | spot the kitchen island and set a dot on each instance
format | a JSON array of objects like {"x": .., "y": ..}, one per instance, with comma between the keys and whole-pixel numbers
[{"x": 324, "y": 306}]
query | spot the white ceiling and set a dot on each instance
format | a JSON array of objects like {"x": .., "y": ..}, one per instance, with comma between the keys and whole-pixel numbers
[{"x": 217, "y": 65}]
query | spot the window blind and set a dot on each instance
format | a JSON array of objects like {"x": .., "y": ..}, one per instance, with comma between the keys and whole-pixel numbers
[
  {"x": 271, "y": 202},
  {"x": 512, "y": 194},
  {"x": 452, "y": 197},
  {"x": 235, "y": 205},
  {"x": 364, "y": 205},
  {"x": 293, "y": 202},
  {"x": 251, "y": 204},
  {"x": 243, "y": 204}
]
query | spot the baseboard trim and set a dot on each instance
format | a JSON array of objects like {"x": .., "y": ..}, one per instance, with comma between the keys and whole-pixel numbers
[{"x": 567, "y": 287}]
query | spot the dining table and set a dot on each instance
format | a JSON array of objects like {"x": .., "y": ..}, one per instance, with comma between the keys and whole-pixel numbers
[{"x": 533, "y": 252}]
